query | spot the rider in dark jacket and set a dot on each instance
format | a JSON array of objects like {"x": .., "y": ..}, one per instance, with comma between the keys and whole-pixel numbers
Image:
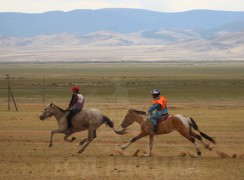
[{"x": 76, "y": 104}]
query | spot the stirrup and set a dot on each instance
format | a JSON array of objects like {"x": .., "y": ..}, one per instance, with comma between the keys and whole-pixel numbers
[
  {"x": 153, "y": 133},
  {"x": 68, "y": 130}
]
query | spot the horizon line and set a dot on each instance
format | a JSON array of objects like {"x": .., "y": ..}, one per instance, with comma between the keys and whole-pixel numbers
[{"x": 22, "y": 12}]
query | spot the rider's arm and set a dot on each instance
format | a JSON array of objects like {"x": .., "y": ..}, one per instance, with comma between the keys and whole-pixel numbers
[
  {"x": 73, "y": 100},
  {"x": 153, "y": 107}
]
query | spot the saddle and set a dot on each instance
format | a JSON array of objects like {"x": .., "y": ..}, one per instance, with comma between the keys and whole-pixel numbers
[{"x": 163, "y": 118}]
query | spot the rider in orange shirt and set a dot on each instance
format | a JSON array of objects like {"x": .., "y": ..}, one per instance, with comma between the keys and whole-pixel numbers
[{"x": 158, "y": 108}]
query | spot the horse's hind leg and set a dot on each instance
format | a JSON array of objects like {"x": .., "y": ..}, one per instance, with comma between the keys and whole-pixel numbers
[
  {"x": 85, "y": 139},
  {"x": 187, "y": 135},
  {"x": 89, "y": 139},
  {"x": 206, "y": 145},
  {"x": 151, "y": 138}
]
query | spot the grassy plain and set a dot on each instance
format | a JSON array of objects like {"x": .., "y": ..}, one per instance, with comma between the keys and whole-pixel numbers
[{"x": 213, "y": 94}]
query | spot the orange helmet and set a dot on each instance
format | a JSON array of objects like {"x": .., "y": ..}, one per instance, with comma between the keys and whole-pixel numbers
[{"x": 75, "y": 88}]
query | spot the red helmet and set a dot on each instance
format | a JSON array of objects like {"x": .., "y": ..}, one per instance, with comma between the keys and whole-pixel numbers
[{"x": 75, "y": 88}]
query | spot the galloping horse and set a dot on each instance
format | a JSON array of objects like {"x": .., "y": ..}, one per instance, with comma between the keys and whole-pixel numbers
[
  {"x": 88, "y": 119},
  {"x": 173, "y": 123}
]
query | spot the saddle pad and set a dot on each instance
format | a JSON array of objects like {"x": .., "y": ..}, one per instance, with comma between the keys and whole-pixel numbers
[{"x": 163, "y": 118}]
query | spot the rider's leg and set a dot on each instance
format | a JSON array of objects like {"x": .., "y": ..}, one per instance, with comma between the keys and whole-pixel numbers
[
  {"x": 69, "y": 117},
  {"x": 153, "y": 119}
]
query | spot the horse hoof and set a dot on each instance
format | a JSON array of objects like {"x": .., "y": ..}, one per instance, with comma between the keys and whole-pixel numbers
[
  {"x": 50, "y": 145},
  {"x": 80, "y": 152},
  {"x": 82, "y": 142},
  {"x": 209, "y": 147},
  {"x": 146, "y": 155},
  {"x": 198, "y": 152},
  {"x": 73, "y": 138},
  {"x": 123, "y": 147}
]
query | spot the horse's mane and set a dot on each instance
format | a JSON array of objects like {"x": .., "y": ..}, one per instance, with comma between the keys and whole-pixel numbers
[
  {"x": 139, "y": 112},
  {"x": 60, "y": 108}
]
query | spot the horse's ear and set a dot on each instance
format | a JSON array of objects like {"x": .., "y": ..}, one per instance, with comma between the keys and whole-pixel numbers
[{"x": 52, "y": 104}]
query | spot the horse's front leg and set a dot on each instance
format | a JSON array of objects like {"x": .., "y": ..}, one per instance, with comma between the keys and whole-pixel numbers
[
  {"x": 150, "y": 146},
  {"x": 67, "y": 135},
  {"x": 54, "y": 132},
  {"x": 139, "y": 136}
]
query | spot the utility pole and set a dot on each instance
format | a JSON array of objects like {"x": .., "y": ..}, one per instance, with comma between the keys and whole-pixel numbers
[
  {"x": 10, "y": 93},
  {"x": 7, "y": 76},
  {"x": 43, "y": 90}
]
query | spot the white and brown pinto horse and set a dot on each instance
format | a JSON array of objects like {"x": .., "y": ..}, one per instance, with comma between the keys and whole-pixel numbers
[
  {"x": 85, "y": 120},
  {"x": 172, "y": 123}
]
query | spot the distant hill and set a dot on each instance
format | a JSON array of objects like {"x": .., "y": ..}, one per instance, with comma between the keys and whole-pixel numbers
[
  {"x": 142, "y": 38},
  {"x": 160, "y": 45},
  {"x": 100, "y": 38},
  {"x": 116, "y": 35},
  {"x": 80, "y": 22}
]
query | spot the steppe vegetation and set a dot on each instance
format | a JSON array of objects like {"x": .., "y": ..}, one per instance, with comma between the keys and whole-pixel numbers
[{"x": 211, "y": 93}]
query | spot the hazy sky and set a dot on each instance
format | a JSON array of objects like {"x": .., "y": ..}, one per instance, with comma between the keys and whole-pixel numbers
[{"x": 36, "y": 6}]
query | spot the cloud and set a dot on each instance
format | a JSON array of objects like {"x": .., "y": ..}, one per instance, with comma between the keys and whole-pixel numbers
[
  {"x": 156, "y": 5},
  {"x": 183, "y": 5},
  {"x": 64, "y": 5}
]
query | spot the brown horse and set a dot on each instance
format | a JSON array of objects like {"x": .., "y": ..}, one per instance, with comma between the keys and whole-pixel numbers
[
  {"x": 172, "y": 123},
  {"x": 85, "y": 120}
]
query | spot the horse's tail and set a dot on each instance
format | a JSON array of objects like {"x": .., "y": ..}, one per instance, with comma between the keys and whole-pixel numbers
[
  {"x": 111, "y": 125},
  {"x": 108, "y": 121},
  {"x": 194, "y": 125}
]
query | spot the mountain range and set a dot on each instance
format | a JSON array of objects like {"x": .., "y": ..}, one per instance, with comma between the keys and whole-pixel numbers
[
  {"x": 204, "y": 34},
  {"x": 115, "y": 20}
]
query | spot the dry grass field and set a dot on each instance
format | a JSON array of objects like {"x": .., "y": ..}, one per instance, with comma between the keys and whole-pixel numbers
[{"x": 213, "y": 94}]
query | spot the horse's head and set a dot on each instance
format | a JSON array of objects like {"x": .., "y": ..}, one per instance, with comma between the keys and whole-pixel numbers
[
  {"x": 130, "y": 117},
  {"x": 48, "y": 112}
]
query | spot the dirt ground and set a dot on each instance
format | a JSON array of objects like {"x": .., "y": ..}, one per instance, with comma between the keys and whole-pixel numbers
[
  {"x": 24, "y": 152},
  {"x": 210, "y": 93}
]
